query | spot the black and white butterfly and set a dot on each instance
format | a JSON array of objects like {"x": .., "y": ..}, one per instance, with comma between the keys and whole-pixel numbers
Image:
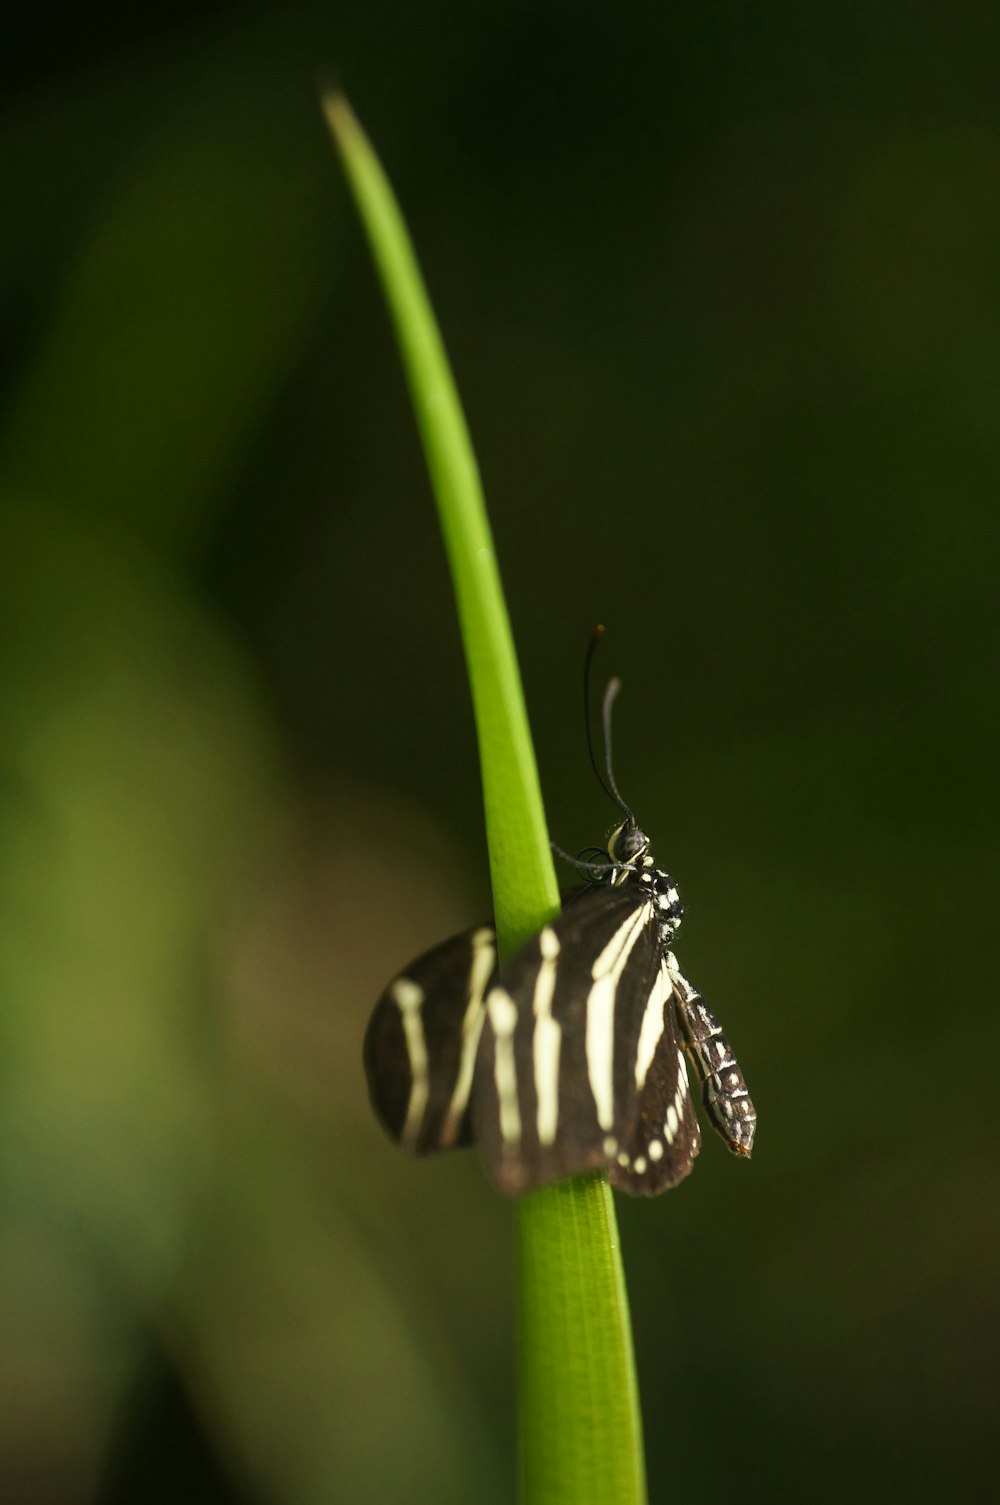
[{"x": 572, "y": 1057}]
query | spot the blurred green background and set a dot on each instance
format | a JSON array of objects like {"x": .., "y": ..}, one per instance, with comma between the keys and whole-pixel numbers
[{"x": 721, "y": 285}]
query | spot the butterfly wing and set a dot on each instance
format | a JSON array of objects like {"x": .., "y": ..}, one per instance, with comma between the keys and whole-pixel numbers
[
  {"x": 572, "y": 1059},
  {"x": 421, "y": 1042},
  {"x": 557, "y": 1089}
]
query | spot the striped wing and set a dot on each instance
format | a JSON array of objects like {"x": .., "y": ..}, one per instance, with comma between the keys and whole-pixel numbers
[
  {"x": 580, "y": 1065},
  {"x": 420, "y": 1046}
]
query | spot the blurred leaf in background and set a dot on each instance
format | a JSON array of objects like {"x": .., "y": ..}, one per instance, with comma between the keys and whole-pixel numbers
[
  {"x": 153, "y": 1199},
  {"x": 722, "y": 290}
]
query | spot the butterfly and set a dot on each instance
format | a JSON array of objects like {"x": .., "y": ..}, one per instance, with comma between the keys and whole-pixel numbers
[{"x": 577, "y": 1054}]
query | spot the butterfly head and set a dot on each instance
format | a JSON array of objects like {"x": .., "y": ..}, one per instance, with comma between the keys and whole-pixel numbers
[{"x": 628, "y": 846}]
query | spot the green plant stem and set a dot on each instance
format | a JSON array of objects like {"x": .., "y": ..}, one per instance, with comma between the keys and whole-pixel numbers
[
  {"x": 576, "y": 1366},
  {"x": 580, "y": 1432}
]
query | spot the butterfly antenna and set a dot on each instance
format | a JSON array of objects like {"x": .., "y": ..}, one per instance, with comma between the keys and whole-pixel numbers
[
  {"x": 610, "y": 695},
  {"x": 598, "y": 869},
  {"x": 610, "y": 788}
]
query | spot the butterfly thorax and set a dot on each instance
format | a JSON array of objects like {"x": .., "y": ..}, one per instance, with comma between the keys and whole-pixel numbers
[{"x": 631, "y": 863}]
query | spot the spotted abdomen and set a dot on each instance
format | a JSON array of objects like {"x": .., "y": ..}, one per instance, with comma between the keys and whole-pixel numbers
[{"x": 723, "y": 1090}]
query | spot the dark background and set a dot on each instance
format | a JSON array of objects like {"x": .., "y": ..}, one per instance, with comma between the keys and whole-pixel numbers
[{"x": 721, "y": 286}]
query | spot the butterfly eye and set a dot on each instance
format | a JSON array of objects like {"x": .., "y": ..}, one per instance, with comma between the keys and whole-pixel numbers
[{"x": 627, "y": 843}]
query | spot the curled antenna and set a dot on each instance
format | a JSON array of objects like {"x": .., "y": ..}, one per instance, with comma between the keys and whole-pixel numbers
[
  {"x": 593, "y": 869},
  {"x": 610, "y": 788}
]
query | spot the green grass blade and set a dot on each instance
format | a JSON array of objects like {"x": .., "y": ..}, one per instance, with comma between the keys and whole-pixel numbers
[
  {"x": 580, "y": 1432},
  {"x": 524, "y": 885},
  {"x": 580, "y": 1424}
]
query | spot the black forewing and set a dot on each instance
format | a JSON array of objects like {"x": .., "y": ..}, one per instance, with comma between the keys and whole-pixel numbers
[
  {"x": 527, "y": 1139},
  {"x": 421, "y": 1041}
]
